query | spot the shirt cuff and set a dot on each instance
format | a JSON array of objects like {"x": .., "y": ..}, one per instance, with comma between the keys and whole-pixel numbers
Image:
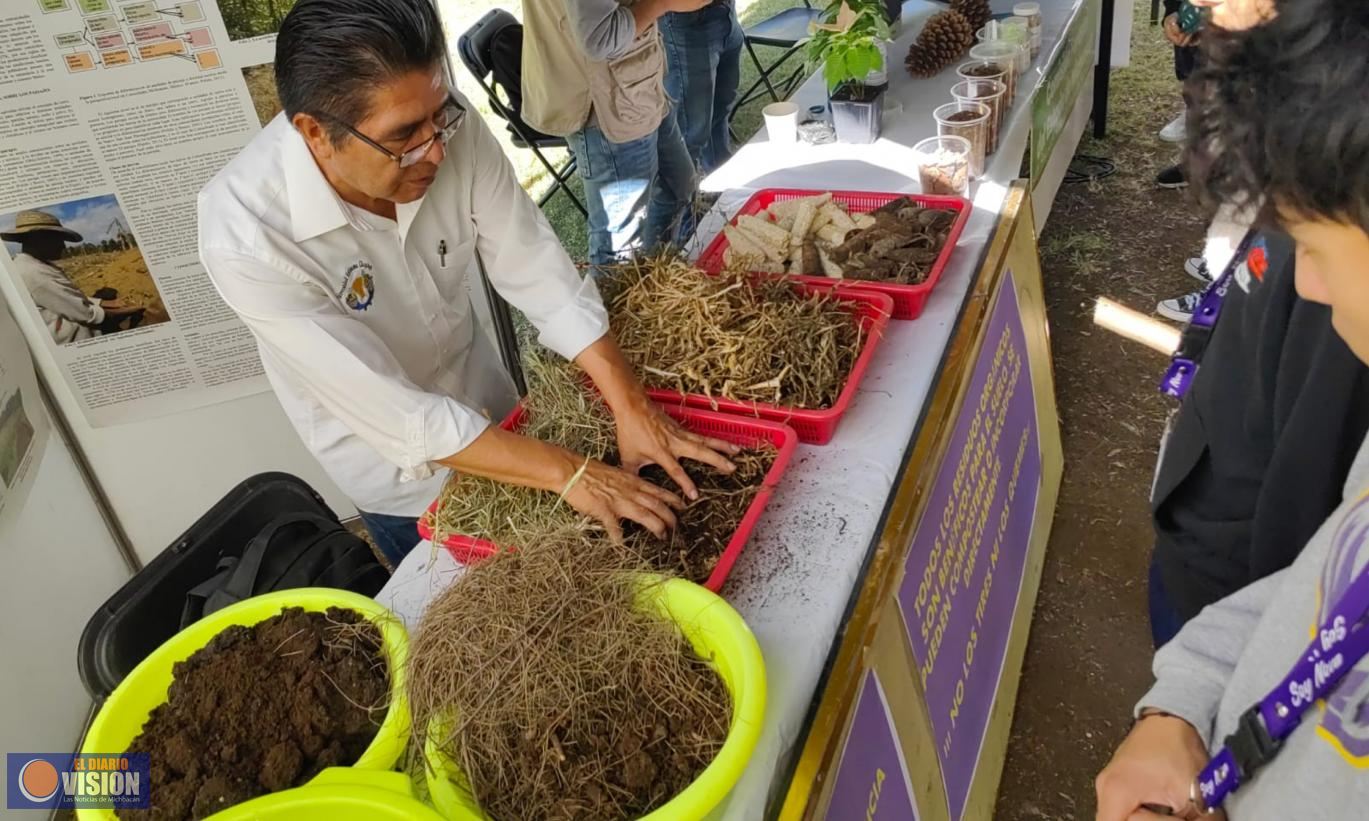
[
  {"x": 577, "y": 325},
  {"x": 97, "y": 313},
  {"x": 436, "y": 433},
  {"x": 1194, "y": 701}
]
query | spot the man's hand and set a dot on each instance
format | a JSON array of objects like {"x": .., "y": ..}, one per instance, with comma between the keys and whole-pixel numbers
[
  {"x": 1175, "y": 34},
  {"x": 1154, "y": 767},
  {"x": 610, "y": 495},
  {"x": 647, "y": 436}
]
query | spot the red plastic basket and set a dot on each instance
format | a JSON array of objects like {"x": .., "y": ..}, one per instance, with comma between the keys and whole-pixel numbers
[
  {"x": 909, "y": 300},
  {"x": 814, "y": 427},
  {"x": 739, "y": 431}
]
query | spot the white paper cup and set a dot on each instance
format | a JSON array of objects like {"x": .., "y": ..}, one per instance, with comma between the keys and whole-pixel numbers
[{"x": 781, "y": 122}]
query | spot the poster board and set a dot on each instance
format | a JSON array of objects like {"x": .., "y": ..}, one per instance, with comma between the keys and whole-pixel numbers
[
  {"x": 60, "y": 563},
  {"x": 944, "y": 610},
  {"x": 114, "y": 113}
]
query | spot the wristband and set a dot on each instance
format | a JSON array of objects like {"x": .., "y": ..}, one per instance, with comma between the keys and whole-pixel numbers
[{"x": 575, "y": 477}]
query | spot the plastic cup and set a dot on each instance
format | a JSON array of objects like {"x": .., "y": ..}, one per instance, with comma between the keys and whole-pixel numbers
[
  {"x": 1016, "y": 29},
  {"x": 943, "y": 165},
  {"x": 1001, "y": 70},
  {"x": 968, "y": 120},
  {"x": 992, "y": 94},
  {"x": 781, "y": 122},
  {"x": 1015, "y": 34},
  {"x": 1004, "y": 54}
]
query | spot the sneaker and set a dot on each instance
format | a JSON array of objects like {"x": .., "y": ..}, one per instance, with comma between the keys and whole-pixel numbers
[
  {"x": 1179, "y": 309},
  {"x": 1175, "y": 130},
  {"x": 1196, "y": 267},
  {"x": 1172, "y": 177}
]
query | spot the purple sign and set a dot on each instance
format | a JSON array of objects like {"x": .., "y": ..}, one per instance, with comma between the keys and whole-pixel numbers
[
  {"x": 964, "y": 569},
  {"x": 872, "y": 777}
]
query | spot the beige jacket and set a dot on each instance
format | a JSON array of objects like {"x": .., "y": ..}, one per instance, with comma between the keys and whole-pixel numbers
[{"x": 563, "y": 88}]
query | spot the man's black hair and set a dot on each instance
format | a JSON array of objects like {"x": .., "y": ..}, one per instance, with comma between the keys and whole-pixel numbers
[
  {"x": 1281, "y": 114},
  {"x": 330, "y": 54}
]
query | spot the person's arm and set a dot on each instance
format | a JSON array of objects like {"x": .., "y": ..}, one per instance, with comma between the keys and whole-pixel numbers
[
  {"x": 1159, "y": 759},
  {"x": 528, "y": 267},
  {"x": 67, "y": 301},
  {"x": 353, "y": 374},
  {"x": 606, "y": 30}
]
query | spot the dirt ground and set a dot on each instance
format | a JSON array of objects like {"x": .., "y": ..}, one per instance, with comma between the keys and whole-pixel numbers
[
  {"x": 1089, "y": 656},
  {"x": 125, "y": 271}
]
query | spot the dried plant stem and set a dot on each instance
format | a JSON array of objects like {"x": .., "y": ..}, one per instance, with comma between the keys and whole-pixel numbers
[{"x": 557, "y": 695}]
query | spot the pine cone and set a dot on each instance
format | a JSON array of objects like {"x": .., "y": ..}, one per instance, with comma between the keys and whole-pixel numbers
[
  {"x": 976, "y": 11},
  {"x": 945, "y": 39}
]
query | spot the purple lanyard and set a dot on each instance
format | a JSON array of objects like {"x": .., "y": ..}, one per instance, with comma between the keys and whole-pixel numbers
[
  {"x": 1183, "y": 366},
  {"x": 1340, "y": 644}
]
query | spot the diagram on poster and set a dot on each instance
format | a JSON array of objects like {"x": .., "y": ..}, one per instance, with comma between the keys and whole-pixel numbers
[{"x": 115, "y": 34}]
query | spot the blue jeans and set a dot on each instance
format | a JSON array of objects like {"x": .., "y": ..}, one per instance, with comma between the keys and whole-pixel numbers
[
  {"x": 394, "y": 536},
  {"x": 636, "y": 192},
  {"x": 1165, "y": 621},
  {"x": 703, "y": 56}
]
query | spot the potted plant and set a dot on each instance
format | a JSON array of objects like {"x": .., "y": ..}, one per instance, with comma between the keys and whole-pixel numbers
[{"x": 847, "y": 46}]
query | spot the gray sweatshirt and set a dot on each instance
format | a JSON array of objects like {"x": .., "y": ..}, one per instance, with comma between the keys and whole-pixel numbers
[
  {"x": 1240, "y": 648},
  {"x": 605, "y": 28}
]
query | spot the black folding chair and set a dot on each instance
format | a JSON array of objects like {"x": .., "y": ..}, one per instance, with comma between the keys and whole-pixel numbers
[
  {"x": 786, "y": 30},
  {"x": 476, "y": 50}
]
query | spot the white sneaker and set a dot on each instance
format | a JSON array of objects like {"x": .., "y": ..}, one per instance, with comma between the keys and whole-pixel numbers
[
  {"x": 1179, "y": 309},
  {"x": 1175, "y": 130},
  {"x": 1196, "y": 267}
]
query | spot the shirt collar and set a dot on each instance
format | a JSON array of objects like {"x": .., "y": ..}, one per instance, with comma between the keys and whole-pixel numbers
[{"x": 314, "y": 206}]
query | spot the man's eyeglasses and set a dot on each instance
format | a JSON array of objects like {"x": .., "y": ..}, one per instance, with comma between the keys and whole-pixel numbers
[{"x": 445, "y": 124}]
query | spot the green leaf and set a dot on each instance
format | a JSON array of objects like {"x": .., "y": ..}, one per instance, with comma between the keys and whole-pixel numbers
[
  {"x": 858, "y": 63},
  {"x": 835, "y": 69}
]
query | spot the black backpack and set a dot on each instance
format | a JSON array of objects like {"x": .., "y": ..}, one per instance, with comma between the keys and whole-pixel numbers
[{"x": 293, "y": 550}]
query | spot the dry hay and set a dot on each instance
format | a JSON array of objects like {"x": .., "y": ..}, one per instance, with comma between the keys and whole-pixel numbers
[
  {"x": 563, "y": 411},
  {"x": 555, "y": 694},
  {"x": 732, "y": 336}
]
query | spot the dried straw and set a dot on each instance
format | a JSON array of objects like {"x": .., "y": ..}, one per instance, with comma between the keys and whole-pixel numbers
[
  {"x": 732, "y": 335},
  {"x": 557, "y": 696},
  {"x": 563, "y": 411}
]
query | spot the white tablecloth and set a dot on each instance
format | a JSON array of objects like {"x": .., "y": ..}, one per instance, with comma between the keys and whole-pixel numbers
[{"x": 793, "y": 581}]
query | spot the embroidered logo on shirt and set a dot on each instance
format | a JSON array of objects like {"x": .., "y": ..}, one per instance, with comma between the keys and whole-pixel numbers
[
  {"x": 1255, "y": 265},
  {"x": 358, "y": 286},
  {"x": 1345, "y": 721}
]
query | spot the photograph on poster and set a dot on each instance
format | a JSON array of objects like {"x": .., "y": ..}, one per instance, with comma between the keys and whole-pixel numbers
[
  {"x": 16, "y": 436},
  {"x": 253, "y": 18},
  {"x": 82, "y": 267},
  {"x": 261, "y": 87}
]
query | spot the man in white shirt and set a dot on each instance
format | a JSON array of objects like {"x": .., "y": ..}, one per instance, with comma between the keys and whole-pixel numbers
[
  {"x": 343, "y": 234},
  {"x": 69, "y": 314}
]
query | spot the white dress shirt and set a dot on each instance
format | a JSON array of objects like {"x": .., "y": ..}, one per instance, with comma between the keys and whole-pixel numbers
[
  {"x": 65, "y": 309},
  {"x": 365, "y": 326}
]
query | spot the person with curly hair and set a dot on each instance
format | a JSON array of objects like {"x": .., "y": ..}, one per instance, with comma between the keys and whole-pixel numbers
[{"x": 1260, "y": 707}]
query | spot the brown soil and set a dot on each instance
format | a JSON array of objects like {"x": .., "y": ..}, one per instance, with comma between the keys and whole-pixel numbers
[
  {"x": 1088, "y": 659},
  {"x": 655, "y": 766},
  {"x": 126, "y": 272},
  {"x": 262, "y": 709},
  {"x": 705, "y": 527}
]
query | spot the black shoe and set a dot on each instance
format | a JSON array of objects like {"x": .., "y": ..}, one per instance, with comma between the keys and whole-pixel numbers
[{"x": 1172, "y": 177}]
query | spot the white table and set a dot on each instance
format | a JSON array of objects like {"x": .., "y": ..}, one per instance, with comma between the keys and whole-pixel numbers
[{"x": 796, "y": 576}]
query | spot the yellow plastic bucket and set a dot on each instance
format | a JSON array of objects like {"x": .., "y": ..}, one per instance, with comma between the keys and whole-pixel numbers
[
  {"x": 338, "y": 794},
  {"x": 122, "y": 716},
  {"x": 718, "y": 634}
]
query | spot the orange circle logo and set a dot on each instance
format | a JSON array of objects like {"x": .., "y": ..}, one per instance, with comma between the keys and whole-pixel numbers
[{"x": 38, "y": 780}]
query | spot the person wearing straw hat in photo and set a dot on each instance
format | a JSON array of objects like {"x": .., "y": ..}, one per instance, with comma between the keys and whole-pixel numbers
[{"x": 69, "y": 314}]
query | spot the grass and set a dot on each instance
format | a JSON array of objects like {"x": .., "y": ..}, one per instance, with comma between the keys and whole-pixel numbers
[{"x": 565, "y": 219}]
